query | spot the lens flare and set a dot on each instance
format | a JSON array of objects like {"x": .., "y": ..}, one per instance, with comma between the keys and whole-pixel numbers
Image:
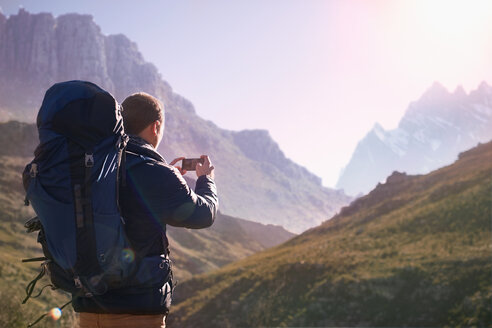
[
  {"x": 127, "y": 255},
  {"x": 55, "y": 313}
]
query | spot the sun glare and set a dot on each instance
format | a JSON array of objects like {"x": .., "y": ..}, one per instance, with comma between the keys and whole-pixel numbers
[
  {"x": 455, "y": 18},
  {"x": 447, "y": 39},
  {"x": 452, "y": 20},
  {"x": 55, "y": 313}
]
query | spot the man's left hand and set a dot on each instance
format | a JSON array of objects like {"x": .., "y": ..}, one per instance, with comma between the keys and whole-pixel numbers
[{"x": 174, "y": 161}]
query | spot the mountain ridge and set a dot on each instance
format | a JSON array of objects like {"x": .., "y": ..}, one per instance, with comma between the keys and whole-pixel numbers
[
  {"x": 431, "y": 134},
  {"x": 38, "y": 50}
]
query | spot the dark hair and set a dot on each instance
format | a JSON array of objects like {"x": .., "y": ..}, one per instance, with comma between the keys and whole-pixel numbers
[{"x": 139, "y": 111}]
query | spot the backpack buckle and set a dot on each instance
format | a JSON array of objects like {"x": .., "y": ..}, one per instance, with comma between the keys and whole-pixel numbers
[
  {"x": 89, "y": 160},
  {"x": 77, "y": 282},
  {"x": 122, "y": 141},
  {"x": 34, "y": 170}
]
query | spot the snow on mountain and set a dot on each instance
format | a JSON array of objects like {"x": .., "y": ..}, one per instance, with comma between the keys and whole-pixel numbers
[{"x": 432, "y": 132}]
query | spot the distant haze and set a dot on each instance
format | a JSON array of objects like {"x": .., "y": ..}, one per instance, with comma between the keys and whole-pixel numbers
[{"x": 316, "y": 74}]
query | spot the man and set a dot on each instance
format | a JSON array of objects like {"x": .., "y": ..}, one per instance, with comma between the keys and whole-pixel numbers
[{"x": 153, "y": 195}]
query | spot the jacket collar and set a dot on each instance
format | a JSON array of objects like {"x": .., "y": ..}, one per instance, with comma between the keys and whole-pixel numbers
[{"x": 141, "y": 147}]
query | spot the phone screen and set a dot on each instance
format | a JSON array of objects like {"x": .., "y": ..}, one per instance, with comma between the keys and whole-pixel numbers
[{"x": 189, "y": 164}]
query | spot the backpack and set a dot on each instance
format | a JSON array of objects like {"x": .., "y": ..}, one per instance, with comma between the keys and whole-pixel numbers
[{"x": 72, "y": 184}]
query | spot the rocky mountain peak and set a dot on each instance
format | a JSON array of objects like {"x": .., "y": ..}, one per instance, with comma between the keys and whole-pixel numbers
[
  {"x": 436, "y": 92},
  {"x": 39, "y": 50},
  {"x": 432, "y": 132},
  {"x": 483, "y": 94},
  {"x": 377, "y": 127},
  {"x": 259, "y": 146},
  {"x": 459, "y": 92},
  {"x": 255, "y": 179},
  {"x": 396, "y": 177},
  {"x": 485, "y": 87}
]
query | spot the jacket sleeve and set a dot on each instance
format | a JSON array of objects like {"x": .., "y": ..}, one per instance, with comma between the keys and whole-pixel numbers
[{"x": 168, "y": 198}]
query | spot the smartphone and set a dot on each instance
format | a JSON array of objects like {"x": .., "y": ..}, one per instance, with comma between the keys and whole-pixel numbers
[{"x": 189, "y": 164}]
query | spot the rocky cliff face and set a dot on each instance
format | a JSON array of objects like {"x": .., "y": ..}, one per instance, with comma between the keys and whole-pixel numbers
[
  {"x": 434, "y": 130},
  {"x": 258, "y": 146},
  {"x": 254, "y": 178},
  {"x": 39, "y": 50}
]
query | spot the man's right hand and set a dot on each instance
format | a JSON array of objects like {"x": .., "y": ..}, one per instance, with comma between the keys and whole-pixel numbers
[{"x": 206, "y": 168}]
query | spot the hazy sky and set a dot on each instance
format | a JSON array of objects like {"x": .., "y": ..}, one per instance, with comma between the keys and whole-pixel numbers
[{"x": 316, "y": 74}]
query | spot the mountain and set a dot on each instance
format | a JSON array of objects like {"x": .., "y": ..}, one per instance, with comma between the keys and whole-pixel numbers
[
  {"x": 416, "y": 251},
  {"x": 192, "y": 251},
  {"x": 255, "y": 179},
  {"x": 433, "y": 131}
]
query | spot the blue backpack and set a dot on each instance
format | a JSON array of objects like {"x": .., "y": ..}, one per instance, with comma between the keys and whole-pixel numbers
[{"x": 72, "y": 185}]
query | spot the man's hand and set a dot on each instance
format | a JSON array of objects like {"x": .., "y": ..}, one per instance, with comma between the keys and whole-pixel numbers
[
  {"x": 174, "y": 161},
  {"x": 206, "y": 168}
]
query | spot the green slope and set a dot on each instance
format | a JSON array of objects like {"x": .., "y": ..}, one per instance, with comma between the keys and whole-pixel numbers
[
  {"x": 229, "y": 239},
  {"x": 416, "y": 251},
  {"x": 15, "y": 245}
]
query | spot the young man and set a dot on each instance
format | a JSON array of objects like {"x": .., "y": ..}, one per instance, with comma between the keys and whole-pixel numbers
[{"x": 153, "y": 195}]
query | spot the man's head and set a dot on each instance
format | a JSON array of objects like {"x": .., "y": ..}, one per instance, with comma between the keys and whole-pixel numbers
[{"x": 143, "y": 115}]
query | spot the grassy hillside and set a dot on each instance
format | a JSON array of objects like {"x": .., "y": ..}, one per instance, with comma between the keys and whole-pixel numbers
[
  {"x": 229, "y": 239},
  {"x": 15, "y": 245},
  {"x": 416, "y": 251}
]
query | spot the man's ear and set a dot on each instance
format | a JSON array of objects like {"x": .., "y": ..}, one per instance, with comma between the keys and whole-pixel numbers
[{"x": 156, "y": 127}]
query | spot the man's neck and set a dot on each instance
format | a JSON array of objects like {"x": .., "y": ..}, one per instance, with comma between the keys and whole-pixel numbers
[
  {"x": 143, "y": 147},
  {"x": 146, "y": 139}
]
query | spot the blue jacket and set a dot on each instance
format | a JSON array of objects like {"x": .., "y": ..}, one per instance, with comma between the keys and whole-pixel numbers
[{"x": 154, "y": 195}]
